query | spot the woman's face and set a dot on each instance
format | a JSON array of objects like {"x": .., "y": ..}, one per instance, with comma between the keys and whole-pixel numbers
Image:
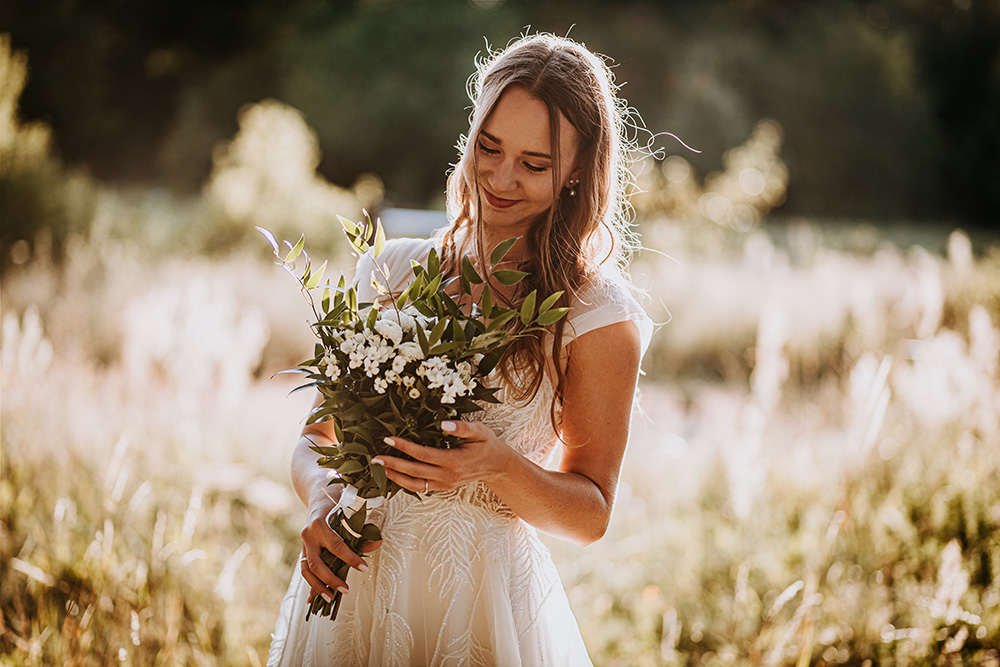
[{"x": 515, "y": 160}]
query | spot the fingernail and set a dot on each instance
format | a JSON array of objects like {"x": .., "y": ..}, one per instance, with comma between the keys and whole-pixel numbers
[
  {"x": 388, "y": 441},
  {"x": 326, "y": 596},
  {"x": 342, "y": 589},
  {"x": 448, "y": 426},
  {"x": 363, "y": 567},
  {"x": 378, "y": 462}
]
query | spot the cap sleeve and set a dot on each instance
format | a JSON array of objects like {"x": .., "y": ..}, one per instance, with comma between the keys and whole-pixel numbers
[
  {"x": 395, "y": 261},
  {"x": 603, "y": 303}
]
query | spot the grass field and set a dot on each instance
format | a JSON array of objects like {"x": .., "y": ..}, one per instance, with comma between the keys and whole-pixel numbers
[{"x": 815, "y": 478}]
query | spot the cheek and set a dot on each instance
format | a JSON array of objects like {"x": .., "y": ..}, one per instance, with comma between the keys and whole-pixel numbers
[{"x": 542, "y": 192}]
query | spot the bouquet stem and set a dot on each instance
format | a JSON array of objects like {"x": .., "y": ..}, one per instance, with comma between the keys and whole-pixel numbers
[{"x": 338, "y": 523}]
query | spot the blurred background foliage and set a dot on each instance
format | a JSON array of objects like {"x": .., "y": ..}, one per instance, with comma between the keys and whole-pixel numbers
[
  {"x": 888, "y": 108},
  {"x": 816, "y": 479}
]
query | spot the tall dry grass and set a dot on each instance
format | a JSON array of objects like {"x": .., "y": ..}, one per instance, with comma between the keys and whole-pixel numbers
[{"x": 816, "y": 480}]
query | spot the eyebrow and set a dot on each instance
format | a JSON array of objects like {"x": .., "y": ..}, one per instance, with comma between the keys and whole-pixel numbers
[{"x": 489, "y": 136}]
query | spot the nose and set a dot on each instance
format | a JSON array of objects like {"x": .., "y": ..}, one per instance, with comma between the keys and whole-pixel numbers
[{"x": 503, "y": 177}]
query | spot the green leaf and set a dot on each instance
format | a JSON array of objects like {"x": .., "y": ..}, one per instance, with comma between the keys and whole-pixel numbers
[
  {"x": 501, "y": 320},
  {"x": 270, "y": 239},
  {"x": 486, "y": 301},
  {"x": 317, "y": 276},
  {"x": 434, "y": 286},
  {"x": 357, "y": 520},
  {"x": 422, "y": 339},
  {"x": 438, "y": 330},
  {"x": 379, "y": 238},
  {"x": 353, "y": 413},
  {"x": 295, "y": 251},
  {"x": 444, "y": 348},
  {"x": 371, "y": 532},
  {"x": 489, "y": 362},
  {"x": 551, "y": 316},
  {"x": 305, "y": 386},
  {"x": 486, "y": 339},
  {"x": 352, "y": 228},
  {"x": 404, "y": 297},
  {"x": 324, "y": 301},
  {"x": 457, "y": 332},
  {"x": 469, "y": 271},
  {"x": 350, "y": 467},
  {"x": 433, "y": 263},
  {"x": 297, "y": 371},
  {"x": 378, "y": 474},
  {"x": 360, "y": 246},
  {"x": 510, "y": 277},
  {"x": 306, "y": 273},
  {"x": 354, "y": 448},
  {"x": 501, "y": 250},
  {"x": 528, "y": 307},
  {"x": 550, "y": 301}
]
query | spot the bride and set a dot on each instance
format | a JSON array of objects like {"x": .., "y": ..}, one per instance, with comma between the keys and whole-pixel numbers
[{"x": 461, "y": 577}]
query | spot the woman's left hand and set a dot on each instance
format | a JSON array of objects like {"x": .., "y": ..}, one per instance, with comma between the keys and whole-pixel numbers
[{"x": 481, "y": 456}]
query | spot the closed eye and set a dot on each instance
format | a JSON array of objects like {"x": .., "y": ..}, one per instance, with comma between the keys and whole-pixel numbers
[
  {"x": 488, "y": 151},
  {"x": 535, "y": 169}
]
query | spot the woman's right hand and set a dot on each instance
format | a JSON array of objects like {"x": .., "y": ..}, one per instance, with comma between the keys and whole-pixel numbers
[{"x": 316, "y": 536}]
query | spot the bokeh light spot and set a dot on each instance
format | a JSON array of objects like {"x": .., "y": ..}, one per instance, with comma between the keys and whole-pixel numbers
[{"x": 752, "y": 181}]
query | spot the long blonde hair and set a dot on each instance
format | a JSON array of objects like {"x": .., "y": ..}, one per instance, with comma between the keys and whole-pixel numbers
[{"x": 580, "y": 237}]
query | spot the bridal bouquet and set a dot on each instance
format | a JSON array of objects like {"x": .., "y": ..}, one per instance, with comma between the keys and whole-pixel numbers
[{"x": 398, "y": 367}]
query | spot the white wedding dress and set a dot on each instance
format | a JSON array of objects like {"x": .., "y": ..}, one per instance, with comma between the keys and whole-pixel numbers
[{"x": 459, "y": 579}]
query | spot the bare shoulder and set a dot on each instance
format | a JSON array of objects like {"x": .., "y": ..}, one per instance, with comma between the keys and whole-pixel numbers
[{"x": 614, "y": 347}]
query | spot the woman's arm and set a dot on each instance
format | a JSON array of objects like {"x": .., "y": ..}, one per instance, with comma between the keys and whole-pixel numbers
[
  {"x": 310, "y": 484},
  {"x": 574, "y": 501}
]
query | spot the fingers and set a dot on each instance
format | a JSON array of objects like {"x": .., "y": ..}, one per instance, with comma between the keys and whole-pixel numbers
[
  {"x": 415, "y": 484},
  {"x": 316, "y": 536},
  {"x": 332, "y": 542},
  {"x": 465, "y": 430},
  {"x": 324, "y": 588},
  {"x": 414, "y": 469},
  {"x": 431, "y": 455}
]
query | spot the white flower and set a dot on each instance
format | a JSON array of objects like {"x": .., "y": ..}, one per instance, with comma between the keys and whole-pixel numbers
[
  {"x": 381, "y": 385},
  {"x": 392, "y": 376},
  {"x": 440, "y": 375},
  {"x": 398, "y": 364},
  {"x": 356, "y": 359},
  {"x": 410, "y": 351},
  {"x": 414, "y": 393},
  {"x": 400, "y": 317},
  {"x": 350, "y": 344},
  {"x": 332, "y": 371},
  {"x": 434, "y": 369},
  {"x": 409, "y": 380},
  {"x": 389, "y": 330}
]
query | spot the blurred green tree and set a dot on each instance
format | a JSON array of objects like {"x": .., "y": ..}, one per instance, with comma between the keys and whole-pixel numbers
[{"x": 888, "y": 106}]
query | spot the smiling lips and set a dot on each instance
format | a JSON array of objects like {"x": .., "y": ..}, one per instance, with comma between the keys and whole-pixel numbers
[{"x": 498, "y": 202}]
